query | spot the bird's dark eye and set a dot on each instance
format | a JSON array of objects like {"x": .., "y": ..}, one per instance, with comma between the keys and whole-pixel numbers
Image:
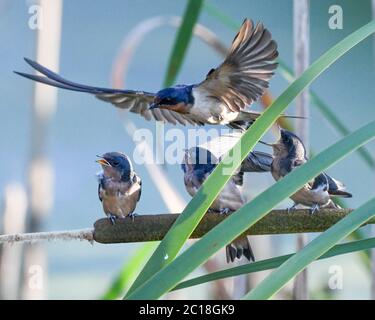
[
  {"x": 167, "y": 101},
  {"x": 115, "y": 163}
]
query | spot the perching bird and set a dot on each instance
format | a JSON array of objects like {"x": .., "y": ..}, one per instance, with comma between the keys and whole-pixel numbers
[
  {"x": 221, "y": 98},
  {"x": 198, "y": 163},
  {"x": 289, "y": 152},
  {"x": 119, "y": 186}
]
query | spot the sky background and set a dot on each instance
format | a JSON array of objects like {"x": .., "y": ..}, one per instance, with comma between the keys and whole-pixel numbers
[{"x": 83, "y": 126}]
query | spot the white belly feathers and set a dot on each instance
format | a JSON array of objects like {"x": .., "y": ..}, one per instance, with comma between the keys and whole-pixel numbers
[{"x": 210, "y": 110}]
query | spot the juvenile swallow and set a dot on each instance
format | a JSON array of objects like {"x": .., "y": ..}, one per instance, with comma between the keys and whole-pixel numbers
[
  {"x": 222, "y": 98},
  {"x": 289, "y": 152},
  {"x": 198, "y": 163},
  {"x": 119, "y": 187}
]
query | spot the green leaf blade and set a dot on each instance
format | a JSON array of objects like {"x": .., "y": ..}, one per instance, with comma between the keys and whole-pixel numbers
[
  {"x": 275, "y": 262},
  {"x": 182, "y": 41},
  {"x": 178, "y": 53},
  {"x": 277, "y": 279},
  {"x": 328, "y": 114},
  {"x": 128, "y": 272}
]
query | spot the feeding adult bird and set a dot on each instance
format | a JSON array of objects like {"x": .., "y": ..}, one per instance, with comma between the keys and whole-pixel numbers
[
  {"x": 119, "y": 187},
  {"x": 221, "y": 98},
  {"x": 289, "y": 152},
  {"x": 198, "y": 163}
]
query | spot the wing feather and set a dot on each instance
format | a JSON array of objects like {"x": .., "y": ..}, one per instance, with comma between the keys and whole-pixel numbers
[
  {"x": 337, "y": 188},
  {"x": 244, "y": 75}
]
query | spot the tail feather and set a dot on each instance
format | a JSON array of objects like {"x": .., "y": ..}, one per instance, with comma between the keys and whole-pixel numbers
[
  {"x": 57, "y": 78},
  {"x": 238, "y": 248},
  {"x": 337, "y": 188},
  {"x": 246, "y": 118},
  {"x": 53, "y": 79},
  {"x": 340, "y": 193},
  {"x": 231, "y": 253},
  {"x": 49, "y": 82}
]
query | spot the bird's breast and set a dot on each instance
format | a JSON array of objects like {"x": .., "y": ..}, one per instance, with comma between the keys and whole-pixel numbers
[
  {"x": 119, "y": 198},
  {"x": 209, "y": 109},
  {"x": 190, "y": 186},
  {"x": 309, "y": 197},
  {"x": 275, "y": 169},
  {"x": 229, "y": 198}
]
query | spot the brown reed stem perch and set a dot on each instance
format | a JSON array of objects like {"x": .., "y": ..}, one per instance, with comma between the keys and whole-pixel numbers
[{"x": 154, "y": 227}]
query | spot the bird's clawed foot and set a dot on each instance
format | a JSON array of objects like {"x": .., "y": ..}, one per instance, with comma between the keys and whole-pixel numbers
[
  {"x": 225, "y": 211},
  {"x": 314, "y": 208},
  {"x": 132, "y": 216},
  {"x": 290, "y": 209},
  {"x": 112, "y": 218}
]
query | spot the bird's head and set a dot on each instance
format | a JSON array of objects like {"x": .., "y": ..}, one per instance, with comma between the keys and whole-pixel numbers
[
  {"x": 116, "y": 165},
  {"x": 288, "y": 145},
  {"x": 178, "y": 99},
  {"x": 198, "y": 159}
]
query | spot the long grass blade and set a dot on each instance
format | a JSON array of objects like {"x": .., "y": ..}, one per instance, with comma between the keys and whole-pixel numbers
[
  {"x": 129, "y": 271},
  {"x": 316, "y": 248},
  {"x": 275, "y": 262},
  {"x": 329, "y": 115},
  {"x": 182, "y": 41}
]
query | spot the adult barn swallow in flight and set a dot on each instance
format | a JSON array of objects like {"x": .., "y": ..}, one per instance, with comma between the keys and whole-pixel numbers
[
  {"x": 198, "y": 163},
  {"x": 289, "y": 152},
  {"x": 221, "y": 98},
  {"x": 119, "y": 186}
]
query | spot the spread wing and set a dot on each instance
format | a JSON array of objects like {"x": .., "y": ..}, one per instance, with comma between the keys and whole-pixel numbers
[
  {"x": 243, "y": 76},
  {"x": 257, "y": 161},
  {"x": 134, "y": 101}
]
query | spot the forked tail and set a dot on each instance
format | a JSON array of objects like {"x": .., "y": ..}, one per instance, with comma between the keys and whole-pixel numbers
[{"x": 238, "y": 248}]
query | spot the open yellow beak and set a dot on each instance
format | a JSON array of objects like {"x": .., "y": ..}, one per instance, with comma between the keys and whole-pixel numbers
[{"x": 103, "y": 162}]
